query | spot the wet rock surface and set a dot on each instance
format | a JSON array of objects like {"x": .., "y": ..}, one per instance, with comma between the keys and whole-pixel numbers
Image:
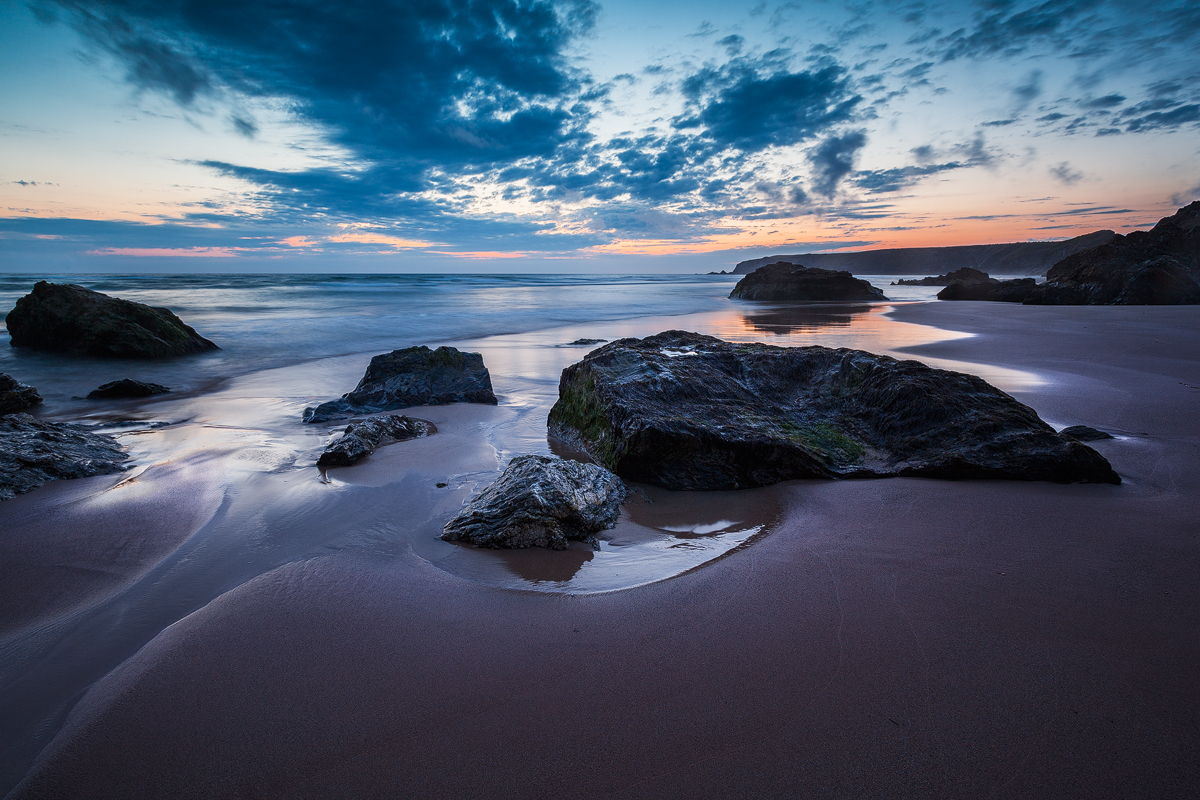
[
  {"x": 1083, "y": 433},
  {"x": 687, "y": 411},
  {"x": 16, "y": 396},
  {"x": 783, "y": 281},
  {"x": 33, "y": 452},
  {"x": 583, "y": 341},
  {"x": 127, "y": 387},
  {"x": 1013, "y": 291},
  {"x": 363, "y": 437},
  {"x": 540, "y": 501},
  {"x": 69, "y": 319},
  {"x": 1160, "y": 266},
  {"x": 415, "y": 376},
  {"x": 963, "y": 275}
]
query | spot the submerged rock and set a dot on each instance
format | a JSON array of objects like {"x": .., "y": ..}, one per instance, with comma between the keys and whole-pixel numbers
[
  {"x": 65, "y": 318},
  {"x": 1160, "y": 266},
  {"x": 16, "y": 396},
  {"x": 784, "y": 281},
  {"x": 361, "y": 438},
  {"x": 1013, "y": 291},
  {"x": 581, "y": 342},
  {"x": 688, "y": 411},
  {"x": 415, "y": 376},
  {"x": 127, "y": 387},
  {"x": 964, "y": 275},
  {"x": 1083, "y": 433},
  {"x": 33, "y": 452},
  {"x": 540, "y": 501}
]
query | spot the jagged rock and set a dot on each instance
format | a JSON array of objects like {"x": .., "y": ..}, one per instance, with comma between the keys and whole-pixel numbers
[
  {"x": 585, "y": 342},
  {"x": 964, "y": 275},
  {"x": 15, "y": 396},
  {"x": 540, "y": 501},
  {"x": 1082, "y": 433},
  {"x": 33, "y": 452},
  {"x": 415, "y": 376},
  {"x": 1013, "y": 291},
  {"x": 65, "y": 318},
  {"x": 1156, "y": 267},
  {"x": 784, "y": 281},
  {"x": 361, "y": 438},
  {"x": 688, "y": 411},
  {"x": 126, "y": 387}
]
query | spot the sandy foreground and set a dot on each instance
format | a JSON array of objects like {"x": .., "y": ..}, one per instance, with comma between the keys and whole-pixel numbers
[{"x": 223, "y": 624}]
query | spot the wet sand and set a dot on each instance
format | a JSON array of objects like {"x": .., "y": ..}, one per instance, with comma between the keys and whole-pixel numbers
[{"x": 885, "y": 638}]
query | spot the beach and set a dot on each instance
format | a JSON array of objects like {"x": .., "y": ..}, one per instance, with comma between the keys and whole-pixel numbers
[{"x": 223, "y": 620}]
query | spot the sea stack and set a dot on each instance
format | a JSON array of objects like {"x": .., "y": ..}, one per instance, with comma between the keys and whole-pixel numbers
[{"x": 783, "y": 282}]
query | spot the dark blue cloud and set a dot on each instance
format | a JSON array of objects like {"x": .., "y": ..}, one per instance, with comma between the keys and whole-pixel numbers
[{"x": 834, "y": 159}]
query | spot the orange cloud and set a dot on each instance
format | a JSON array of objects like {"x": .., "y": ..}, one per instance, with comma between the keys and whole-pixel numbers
[{"x": 378, "y": 238}]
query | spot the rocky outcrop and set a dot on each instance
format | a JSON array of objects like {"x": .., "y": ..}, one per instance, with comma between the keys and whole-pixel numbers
[
  {"x": 687, "y": 411},
  {"x": 540, "y": 501},
  {"x": 33, "y": 452},
  {"x": 125, "y": 388},
  {"x": 415, "y": 376},
  {"x": 1160, "y": 266},
  {"x": 360, "y": 439},
  {"x": 1082, "y": 433},
  {"x": 783, "y": 281},
  {"x": 15, "y": 396},
  {"x": 65, "y": 318},
  {"x": 965, "y": 275},
  {"x": 1013, "y": 291}
]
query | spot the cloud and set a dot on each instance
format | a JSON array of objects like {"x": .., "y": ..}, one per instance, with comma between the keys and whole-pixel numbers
[
  {"x": 1063, "y": 173},
  {"x": 1029, "y": 90},
  {"x": 834, "y": 159},
  {"x": 1159, "y": 120},
  {"x": 1107, "y": 101},
  {"x": 1000, "y": 30}
]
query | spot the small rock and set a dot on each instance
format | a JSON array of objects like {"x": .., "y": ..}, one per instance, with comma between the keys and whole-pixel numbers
[
  {"x": 415, "y": 376},
  {"x": 540, "y": 501},
  {"x": 784, "y": 281},
  {"x": 964, "y": 275},
  {"x": 33, "y": 452},
  {"x": 1082, "y": 433},
  {"x": 1013, "y": 291},
  {"x": 361, "y": 438},
  {"x": 586, "y": 342},
  {"x": 16, "y": 396},
  {"x": 126, "y": 387}
]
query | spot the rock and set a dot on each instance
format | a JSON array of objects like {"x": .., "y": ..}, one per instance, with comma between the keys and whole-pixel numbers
[
  {"x": 361, "y": 438},
  {"x": 1156, "y": 267},
  {"x": 784, "y": 281},
  {"x": 1082, "y": 433},
  {"x": 1013, "y": 291},
  {"x": 581, "y": 342},
  {"x": 33, "y": 452},
  {"x": 964, "y": 275},
  {"x": 540, "y": 501},
  {"x": 65, "y": 318},
  {"x": 415, "y": 376},
  {"x": 687, "y": 411},
  {"x": 15, "y": 396},
  {"x": 127, "y": 387}
]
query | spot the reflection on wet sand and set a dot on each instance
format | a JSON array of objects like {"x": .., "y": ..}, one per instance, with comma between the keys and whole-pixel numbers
[{"x": 808, "y": 317}]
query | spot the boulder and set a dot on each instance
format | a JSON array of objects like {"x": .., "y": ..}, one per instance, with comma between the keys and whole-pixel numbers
[
  {"x": 33, "y": 452},
  {"x": 1013, "y": 291},
  {"x": 1082, "y": 433},
  {"x": 1156, "y": 267},
  {"x": 65, "y": 318},
  {"x": 687, "y": 411},
  {"x": 415, "y": 376},
  {"x": 784, "y": 281},
  {"x": 540, "y": 501},
  {"x": 127, "y": 387},
  {"x": 15, "y": 396},
  {"x": 582, "y": 342},
  {"x": 361, "y": 438},
  {"x": 964, "y": 275}
]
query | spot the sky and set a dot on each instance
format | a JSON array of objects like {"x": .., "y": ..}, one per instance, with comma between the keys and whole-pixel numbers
[{"x": 578, "y": 136}]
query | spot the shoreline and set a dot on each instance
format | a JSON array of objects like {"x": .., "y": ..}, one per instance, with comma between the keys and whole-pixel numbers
[{"x": 913, "y": 636}]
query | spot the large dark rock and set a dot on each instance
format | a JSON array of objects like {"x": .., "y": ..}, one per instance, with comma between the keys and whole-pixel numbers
[
  {"x": 964, "y": 275},
  {"x": 415, "y": 376},
  {"x": 687, "y": 411},
  {"x": 65, "y": 318},
  {"x": 784, "y": 281},
  {"x": 33, "y": 452},
  {"x": 1160, "y": 266},
  {"x": 540, "y": 501},
  {"x": 127, "y": 387},
  {"x": 15, "y": 396},
  {"x": 1013, "y": 291},
  {"x": 1083, "y": 433},
  {"x": 361, "y": 438}
]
